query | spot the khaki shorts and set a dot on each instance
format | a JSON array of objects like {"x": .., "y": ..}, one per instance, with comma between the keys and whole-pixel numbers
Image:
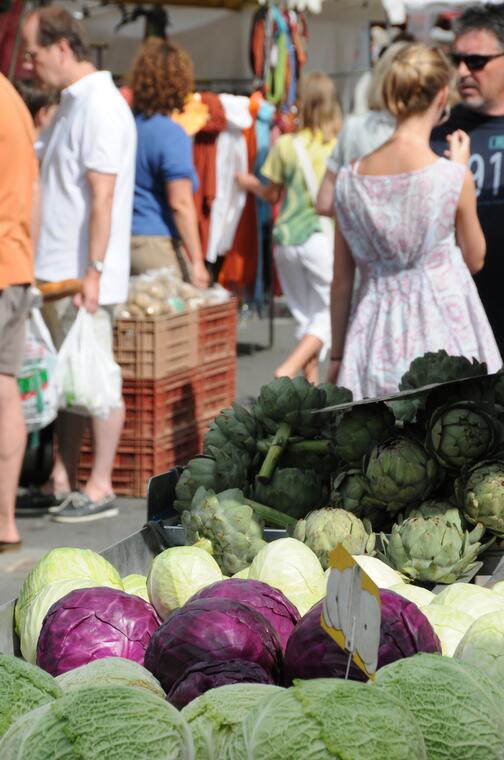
[
  {"x": 155, "y": 252},
  {"x": 59, "y": 316},
  {"x": 15, "y": 303}
]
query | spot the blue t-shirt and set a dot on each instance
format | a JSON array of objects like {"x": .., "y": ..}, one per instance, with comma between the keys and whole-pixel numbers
[{"x": 164, "y": 153}]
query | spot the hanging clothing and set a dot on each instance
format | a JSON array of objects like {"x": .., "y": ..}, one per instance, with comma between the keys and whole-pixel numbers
[
  {"x": 231, "y": 159},
  {"x": 205, "y": 162},
  {"x": 194, "y": 115}
]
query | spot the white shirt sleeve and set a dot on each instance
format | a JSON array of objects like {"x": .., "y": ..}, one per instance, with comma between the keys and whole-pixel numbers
[{"x": 102, "y": 145}]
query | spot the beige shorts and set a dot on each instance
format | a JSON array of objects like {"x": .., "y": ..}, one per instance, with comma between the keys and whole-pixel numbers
[
  {"x": 155, "y": 252},
  {"x": 59, "y": 316},
  {"x": 15, "y": 303}
]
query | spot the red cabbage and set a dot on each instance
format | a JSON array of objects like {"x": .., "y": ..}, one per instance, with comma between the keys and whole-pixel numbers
[
  {"x": 312, "y": 653},
  {"x": 269, "y": 601},
  {"x": 204, "y": 676},
  {"x": 90, "y": 623},
  {"x": 209, "y": 631}
]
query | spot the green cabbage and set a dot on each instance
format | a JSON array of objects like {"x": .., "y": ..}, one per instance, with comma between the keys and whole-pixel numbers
[
  {"x": 329, "y": 718},
  {"x": 244, "y": 574},
  {"x": 380, "y": 573},
  {"x": 32, "y": 617},
  {"x": 416, "y": 594},
  {"x": 101, "y": 723},
  {"x": 469, "y": 598},
  {"x": 178, "y": 573},
  {"x": 292, "y": 567},
  {"x": 109, "y": 671},
  {"x": 458, "y": 708},
  {"x": 216, "y": 716},
  {"x": 483, "y": 645},
  {"x": 65, "y": 564},
  {"x": 23, "y": 687},
  {"x": 136, "y": 584},
  {"x": 449, "y": 623}
]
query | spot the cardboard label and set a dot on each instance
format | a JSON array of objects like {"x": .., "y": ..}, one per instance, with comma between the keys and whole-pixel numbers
[{"x": 351, "y": 614}]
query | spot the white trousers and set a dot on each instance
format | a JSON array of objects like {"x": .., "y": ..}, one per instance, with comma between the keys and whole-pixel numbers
[{"x": 305, "y": 273}]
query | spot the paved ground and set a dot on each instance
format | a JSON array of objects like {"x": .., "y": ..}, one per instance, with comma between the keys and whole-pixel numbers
[{"x": 256, "y": 363}]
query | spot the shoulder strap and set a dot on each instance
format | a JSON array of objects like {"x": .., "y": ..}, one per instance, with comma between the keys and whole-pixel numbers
[{"x": 307, "y": 168}]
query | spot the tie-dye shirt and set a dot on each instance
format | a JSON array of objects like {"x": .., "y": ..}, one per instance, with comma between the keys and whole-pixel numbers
[{"x": 297, "y": 220}]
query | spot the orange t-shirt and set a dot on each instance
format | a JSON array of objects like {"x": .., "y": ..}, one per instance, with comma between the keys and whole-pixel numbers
[{"x": 18, "y": 173}]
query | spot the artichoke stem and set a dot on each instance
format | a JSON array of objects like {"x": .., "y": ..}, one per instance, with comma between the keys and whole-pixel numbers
[
  {"x": 276, "y": 449},
  {"x": 270, "y": 515},
  {"x": 313, "y": 447}
]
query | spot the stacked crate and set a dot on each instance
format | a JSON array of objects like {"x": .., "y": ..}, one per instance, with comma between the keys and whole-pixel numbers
[{"x": 178, "y": 373}]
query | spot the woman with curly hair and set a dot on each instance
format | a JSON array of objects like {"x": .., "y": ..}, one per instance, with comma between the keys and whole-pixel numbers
[{"x": 164, "y": 215}]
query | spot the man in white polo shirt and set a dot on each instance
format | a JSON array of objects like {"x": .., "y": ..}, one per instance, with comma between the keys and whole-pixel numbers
[{"x": 87, "y": 181}]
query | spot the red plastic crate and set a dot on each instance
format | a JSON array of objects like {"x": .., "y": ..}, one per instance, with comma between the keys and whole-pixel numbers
[
  {"x": 217, "y": 331},
  {"x": 137, "y": 461},
  {"x": 216, "y": 388},
  {"x": 156, "y": 347},
  {"x": 156, "y": 408}
]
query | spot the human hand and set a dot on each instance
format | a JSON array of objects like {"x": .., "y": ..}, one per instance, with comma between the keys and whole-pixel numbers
[
  {"x": 200, "y": 276},
  {"x": 459, "y": 147},
  {"x": 333, "y": 371},
  {"x": 88, "y": 297}
]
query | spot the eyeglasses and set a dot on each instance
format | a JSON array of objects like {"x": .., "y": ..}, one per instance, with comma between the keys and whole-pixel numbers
[
  {"x": 29, "y": 56},
  {"x": 473, "y": 61}
]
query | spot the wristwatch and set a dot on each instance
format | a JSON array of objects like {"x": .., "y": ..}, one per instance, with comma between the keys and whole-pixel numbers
[{"x": 96, "y": 265}]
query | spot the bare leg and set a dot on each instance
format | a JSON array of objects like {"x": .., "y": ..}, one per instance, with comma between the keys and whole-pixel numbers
[
  {"x": 106, "y": 434},
  {"x": 311, "y": 370},
  {"x": 69, "y": 430},
  {"x": 306, "y": 350},
  {"x": 12, "y": 446}
]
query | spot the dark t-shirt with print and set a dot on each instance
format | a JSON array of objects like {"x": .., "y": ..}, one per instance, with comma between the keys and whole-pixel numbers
[{"x": 487, "y": 165}]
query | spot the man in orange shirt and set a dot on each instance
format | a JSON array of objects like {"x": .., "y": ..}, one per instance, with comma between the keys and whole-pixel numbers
[{"x": 18, "y": 175}]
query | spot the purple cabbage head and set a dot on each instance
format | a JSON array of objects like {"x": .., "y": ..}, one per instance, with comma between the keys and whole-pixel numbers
[
  {"x": 312, "y": 653},
  {"x": 269, "y": 601},
  {"x": 90, "y": 623},
  {"x": 210, "y": 631},
  {"x": 208, "y": 675}
]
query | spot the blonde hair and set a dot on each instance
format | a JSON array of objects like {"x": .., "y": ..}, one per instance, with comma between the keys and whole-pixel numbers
[
  {"x": 415, "y": 76},
  {"x": 318, "y": 105},
  {"x": 382, "y": 65}
]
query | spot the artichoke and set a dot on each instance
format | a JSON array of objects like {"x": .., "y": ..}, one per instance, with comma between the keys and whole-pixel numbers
[
  {"x": 292, "y": 491},
  {"x": 439, "y": 367},
  {"x": 291, "y": 402},
  {"x": 433, "y": 548},
  {"x": 236, "y": 426},
  {"x": 350, "y": 491},
  {"x": 228, "y": 523},
  {"x": 360, "y": 429},
  {"x": 400, "y": 473},
  {"x": 480, "y": 495},
  {"x": 324, "y": 529},
  {"x": 463, "y": 433},
  {"x": 225, "y": 469},
  {"x": 439, "y": 508}
]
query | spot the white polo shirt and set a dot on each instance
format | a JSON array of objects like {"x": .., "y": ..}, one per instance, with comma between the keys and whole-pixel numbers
[{"x": 93, "y": 130}]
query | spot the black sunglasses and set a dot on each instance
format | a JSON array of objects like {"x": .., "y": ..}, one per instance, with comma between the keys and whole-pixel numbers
[{"x": 473, "y": 61}]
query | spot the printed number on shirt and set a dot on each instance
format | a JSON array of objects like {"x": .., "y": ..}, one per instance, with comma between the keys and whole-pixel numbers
[{"x": 479, "y": 170}]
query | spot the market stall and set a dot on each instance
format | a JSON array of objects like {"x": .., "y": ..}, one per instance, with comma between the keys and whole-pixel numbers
[{"x": 247, "y": 595}]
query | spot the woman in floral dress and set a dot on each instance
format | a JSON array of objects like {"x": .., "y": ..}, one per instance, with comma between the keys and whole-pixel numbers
[{"x": 406, "y": 219}]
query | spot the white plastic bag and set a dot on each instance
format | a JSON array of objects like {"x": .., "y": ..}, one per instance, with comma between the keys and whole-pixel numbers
[
  {"x": 36, "y": 379},
  {"x": 87, "y": 378}
]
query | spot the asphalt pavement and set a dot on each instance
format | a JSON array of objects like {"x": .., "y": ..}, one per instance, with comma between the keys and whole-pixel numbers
[{"x": 257, "y": 360}]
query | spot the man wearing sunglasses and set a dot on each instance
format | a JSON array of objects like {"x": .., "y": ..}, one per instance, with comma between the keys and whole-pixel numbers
[{"x": 478, "y": 56}]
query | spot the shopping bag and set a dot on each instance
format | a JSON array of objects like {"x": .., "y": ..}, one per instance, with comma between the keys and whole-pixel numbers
[
  {"x": 88, "y": 380},
  {"x": 36, "y": 379}
]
